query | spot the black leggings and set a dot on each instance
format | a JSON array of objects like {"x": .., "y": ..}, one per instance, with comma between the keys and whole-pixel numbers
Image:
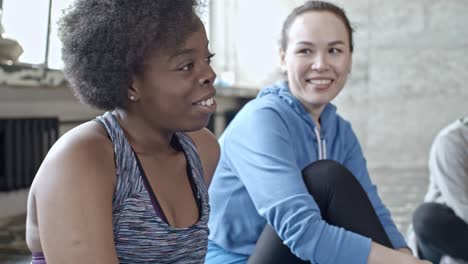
[
  {"x": 439, "y": 231},
  {"x": 342, "y": 202}
]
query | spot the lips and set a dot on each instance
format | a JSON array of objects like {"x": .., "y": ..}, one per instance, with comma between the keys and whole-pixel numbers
[
  {"x": 207, "y": 102},
  {"x": 320, "y": 81}
]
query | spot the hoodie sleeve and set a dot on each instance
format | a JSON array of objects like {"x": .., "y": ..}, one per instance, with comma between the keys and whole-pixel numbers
[
  {"x": 261, "y": 152},
  {"x": 448, "y": 167},
  {"x": 356, "y": 163}
]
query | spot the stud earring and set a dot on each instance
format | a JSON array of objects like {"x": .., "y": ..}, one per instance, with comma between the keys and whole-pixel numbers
[{"x": 132, "y": 97}]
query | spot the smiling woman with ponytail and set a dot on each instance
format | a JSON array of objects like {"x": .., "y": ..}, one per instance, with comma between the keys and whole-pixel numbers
[{"x": 292, "y": 184}]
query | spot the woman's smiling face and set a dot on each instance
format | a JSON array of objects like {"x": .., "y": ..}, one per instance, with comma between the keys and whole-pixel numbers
[
  {"x": 176, "y": 88},
  {"x": 317, "y": 58}
]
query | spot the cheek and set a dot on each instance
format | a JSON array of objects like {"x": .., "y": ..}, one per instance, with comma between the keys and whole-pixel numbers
[
  {"x": 165, "y": 101},
  {"x": 346, "y": 70},
  {"x": 296, "y": 65},
  {"x": 303, "y": 69},
  {"x": 345, "y": 66},
  {"x": 299, "y": 69},
  {"x": 303, "y": 64}
]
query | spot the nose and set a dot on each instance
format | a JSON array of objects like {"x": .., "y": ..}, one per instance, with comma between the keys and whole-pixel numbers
[
  {"x": 319, "y": 62},
  {"x": 207, "y": 76}
]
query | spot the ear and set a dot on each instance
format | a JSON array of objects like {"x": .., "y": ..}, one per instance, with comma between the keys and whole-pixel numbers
[
  {"x": 133, "y": 91},
  {"x": 282, "y": 54}
]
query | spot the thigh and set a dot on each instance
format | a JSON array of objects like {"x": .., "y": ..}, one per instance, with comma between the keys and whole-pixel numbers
[
  {"x": 342, "y": 202},
  {"x": 428, "y": 252},
  {"x": 436, "y": 226},
  {"x": 271, "y": 250}
]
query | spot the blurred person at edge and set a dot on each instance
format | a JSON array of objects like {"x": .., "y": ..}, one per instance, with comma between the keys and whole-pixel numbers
[{"x": 439, "y": 230}]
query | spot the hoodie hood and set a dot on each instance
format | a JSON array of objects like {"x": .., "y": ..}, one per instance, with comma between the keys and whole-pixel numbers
[{"x": 281, "y": 90}]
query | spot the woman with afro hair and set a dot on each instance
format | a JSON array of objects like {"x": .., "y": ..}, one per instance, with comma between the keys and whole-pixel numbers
[{"x": 131, "y": 185}]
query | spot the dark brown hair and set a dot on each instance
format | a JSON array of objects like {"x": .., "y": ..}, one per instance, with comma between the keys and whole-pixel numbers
[{"x": 318, "y": 6}]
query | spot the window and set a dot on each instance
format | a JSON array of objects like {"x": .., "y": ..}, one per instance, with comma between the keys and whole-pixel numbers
[{"x": 27, "y": 21}]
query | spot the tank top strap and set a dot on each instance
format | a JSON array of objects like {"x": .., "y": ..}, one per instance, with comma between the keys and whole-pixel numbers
[
  {"x": 194, "y": 160},
  {"x": 128, "y": 181}
]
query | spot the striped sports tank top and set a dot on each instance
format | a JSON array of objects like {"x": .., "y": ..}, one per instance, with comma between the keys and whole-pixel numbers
[{"x": 141, "y": 233}]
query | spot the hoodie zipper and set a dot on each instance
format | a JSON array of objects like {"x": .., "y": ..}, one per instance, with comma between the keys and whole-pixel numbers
[{"x": 322, "y": 146}]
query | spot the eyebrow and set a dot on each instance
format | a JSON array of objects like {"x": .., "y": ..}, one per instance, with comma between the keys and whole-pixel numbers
[
  {"x": 184, "y": 52},
  {"x": 336, "y": 42},
  {"x": 181, "y": 53}
]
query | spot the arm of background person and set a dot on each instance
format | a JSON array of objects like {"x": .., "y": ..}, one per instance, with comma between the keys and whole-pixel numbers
[
  {"x": 448, "y": 166},
  {"x": 356, "y": 163},
  {"x": 261, "y": 152},
  {"x": 208, "y": 149},
  {"x": 73, "y": 191}
]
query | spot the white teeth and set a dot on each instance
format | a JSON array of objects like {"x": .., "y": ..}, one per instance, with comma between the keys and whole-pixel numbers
[
  {"x": 207, "y": 102},
  {"x": 319, "y": 82}
]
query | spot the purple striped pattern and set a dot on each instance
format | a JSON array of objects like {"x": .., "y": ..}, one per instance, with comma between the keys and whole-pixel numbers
[
  {"x": 38, "y": 258},
  {"x": 141, "y": 236}
]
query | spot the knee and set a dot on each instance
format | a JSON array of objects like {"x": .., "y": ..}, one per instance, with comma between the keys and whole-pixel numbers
[
  {"x": 429, "y": 217},
  {"x": 328, "y": 173}
]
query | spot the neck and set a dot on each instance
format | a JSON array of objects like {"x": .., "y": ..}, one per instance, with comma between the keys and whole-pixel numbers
[
  {"x": 316, "y": 119},
  {"x": 315, "y": 112},
  {"x": 144, "y": 138}
]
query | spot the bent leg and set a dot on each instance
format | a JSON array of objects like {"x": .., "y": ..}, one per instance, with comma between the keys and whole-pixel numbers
[
  {"x": 342, "y": 202},
  {"x": 439, "y": 231}
]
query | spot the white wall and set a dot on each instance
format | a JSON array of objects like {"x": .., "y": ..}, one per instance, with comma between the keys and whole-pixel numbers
[{"x": 410, "y": 67}]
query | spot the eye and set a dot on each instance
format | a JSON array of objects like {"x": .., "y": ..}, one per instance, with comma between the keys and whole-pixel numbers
[
  {"x": 186, "y": 67},
  {"x": 334, "y": 50},
  {"x": 210, "y": 58},
  {"x": 304, "y": 51}
]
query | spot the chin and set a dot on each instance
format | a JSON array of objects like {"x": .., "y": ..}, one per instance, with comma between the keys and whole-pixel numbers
[
  {"x": 322, "y": 100},
  {"x": 194, "y": 126},
  {"x": 317, "y": 102}
]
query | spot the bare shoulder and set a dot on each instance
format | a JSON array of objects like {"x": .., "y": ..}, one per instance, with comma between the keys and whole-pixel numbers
[
  {"x": 70, "y": 203},
  {"x": 208, "y": 148},
  {"x": 84, "y": 153}
]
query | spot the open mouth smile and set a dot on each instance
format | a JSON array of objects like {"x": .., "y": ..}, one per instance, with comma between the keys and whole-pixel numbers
[
  {"x": 319, "y": 81},
  {"x": 207, "y": 102}
]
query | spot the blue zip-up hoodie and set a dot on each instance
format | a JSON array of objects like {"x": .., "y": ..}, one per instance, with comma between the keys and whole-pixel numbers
[{"x": 258, "y": 180}]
